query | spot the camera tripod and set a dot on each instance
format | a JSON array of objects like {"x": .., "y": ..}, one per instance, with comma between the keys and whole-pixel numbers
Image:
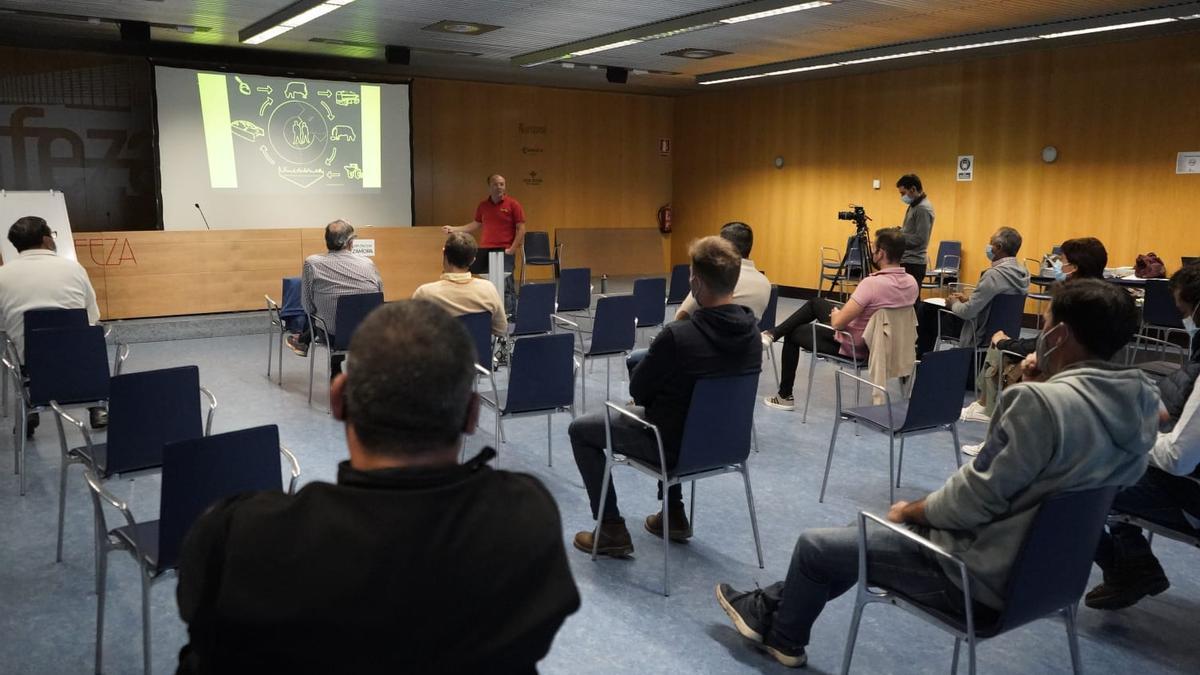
[{"x": 861, "y": 240}]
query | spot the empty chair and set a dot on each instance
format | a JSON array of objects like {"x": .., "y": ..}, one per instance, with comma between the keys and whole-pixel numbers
[
  {"x": 541, "y": 381},
  {"x": 935, "y": 405},
  {"x": 351, "y": 310},
  {"x": 614, "y": 332},
  {"x": 1160, "y": 315},
  {"x": 479, "y": 327},
  {"x": 1047, "y": 577},
  {"x": 680, "y": 284},
  {"x": 947, "y": 265},
  {"x": 650, "y": 301},
  {"x": 767, "y": 322},
  {"x": 1186, "y": 260},
  {"x": 283, "y": 319},
  {"x": 196, "y": 473},
  {"x": 536, "y": 251},
  {"x": 535, "y": 304},
  {"x": 574, "y": 290},
  {"x": 841, "y": 268},
  {"x": 146, "y": 411},
  {"x": 716, "y": 440}
]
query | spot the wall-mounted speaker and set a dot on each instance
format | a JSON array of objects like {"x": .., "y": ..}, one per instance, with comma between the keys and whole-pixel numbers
[
  {"x": 616, "y": 75},
  {"x": 135, "y": 31},
  {"x": 396, "y": 55}
]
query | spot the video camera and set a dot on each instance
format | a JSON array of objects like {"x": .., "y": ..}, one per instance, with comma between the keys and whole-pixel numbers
[{"x": 858, "y": 215}]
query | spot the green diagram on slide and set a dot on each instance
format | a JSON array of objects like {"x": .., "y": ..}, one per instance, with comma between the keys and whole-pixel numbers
[{"x": 283, "y": 135}]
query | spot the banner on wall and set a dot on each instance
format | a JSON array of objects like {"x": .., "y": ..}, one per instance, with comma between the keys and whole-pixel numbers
[{"x": 966, "y": 168}]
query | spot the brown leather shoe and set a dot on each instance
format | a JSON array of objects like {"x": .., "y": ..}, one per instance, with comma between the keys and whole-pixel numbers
[
  {"x": 681, "y": 529},
  {"x": 614, "y": 540}
]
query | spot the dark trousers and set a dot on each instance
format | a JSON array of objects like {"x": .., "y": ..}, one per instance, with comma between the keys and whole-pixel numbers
[
  {"x": 1158, "y": 497},
  {"x": 825, "y": 565},
  {"x": 917, "y": 271},
  {"x": 797, "y": 333},
  {"x": 480, "y": 266},
  {"x": 335, "y": 366},
  {"x": 629, "y": 439},
  {"x": 927, "y": 327}
]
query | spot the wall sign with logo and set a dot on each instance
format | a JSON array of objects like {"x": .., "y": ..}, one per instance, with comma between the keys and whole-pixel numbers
[
  {"x": 364, "y": 247},
  {"x": 664, "y": 146},
  {"x": 1187, "y": 162},
  {"x": 966, "y": 168}
]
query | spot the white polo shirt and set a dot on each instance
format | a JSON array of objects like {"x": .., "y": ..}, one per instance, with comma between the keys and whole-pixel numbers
[{"x": 40, "y": 279}]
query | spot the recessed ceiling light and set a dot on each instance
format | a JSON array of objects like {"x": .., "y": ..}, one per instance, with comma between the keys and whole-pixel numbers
[
  {"x": 694, "y": 53},
  {"x": 293, "y": 16},
  {"x": 461, "y": 27}
]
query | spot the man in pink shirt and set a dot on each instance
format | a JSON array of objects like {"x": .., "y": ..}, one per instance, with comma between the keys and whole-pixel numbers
[{"x": 891, "y": 286}]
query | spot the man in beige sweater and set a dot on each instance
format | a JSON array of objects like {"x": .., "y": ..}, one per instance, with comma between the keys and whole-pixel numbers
[{"x": 458, "y": 292}]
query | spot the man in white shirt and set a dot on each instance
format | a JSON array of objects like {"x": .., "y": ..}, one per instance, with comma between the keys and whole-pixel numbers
[
  {"x": 458, "y": 292},
  {"x": 753, "y": 289},
  {"x": 40, "y": 279}
]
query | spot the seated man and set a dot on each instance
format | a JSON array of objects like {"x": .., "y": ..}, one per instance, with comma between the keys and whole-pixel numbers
[
  {"x": 41, "y": 279},
  {"x": 1083, "y": 258},
  {"x": 721, "y": 338},
  {"x": 1086, "y": 423},
  {"x": 412, "y": 562},
  {"x": 753, "y": 289},
  {"x": 1169, "y": 492},
  {"x": 458, "y": 292},
  {"x": 1006, "y": 275},
  {"x": 325, "y": 277},
  {"x": 891, "y": 286}
]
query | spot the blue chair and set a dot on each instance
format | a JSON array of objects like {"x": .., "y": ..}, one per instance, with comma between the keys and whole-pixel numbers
[
  {"x": 1048, "y": 576},
  {"x": 614, "y": 332},
  {"x": 1159, "y": 315},
  {"x": 35, "y": 319},
  {"x": 290, "y": 317},
  {"x": 196, "y": 474},
  {"x": 350, "y": 311},
  {"x": 650, "y": 301},
  {"x": 934, "y": 405},
  {"x": 535, "y": 304},
  {"x": 541, "y": 381},
  {"x": 716, "y": 441},
  {"x": 479, "y": 326},
  {"x": 767, "y": 322},
  {"x": 1005, "y": 312},
  {"x": 947, "y": 265},
  {"x": 68, "y": 366},
  {"x": 856, "y": 361},
  {"x": 842, "y": 268},
  {"x": 680, "y": 284},
  {"x": 574, "y": 290},
  {"x": 146, "y": 411},
  {"x": 536, "y": 251}
]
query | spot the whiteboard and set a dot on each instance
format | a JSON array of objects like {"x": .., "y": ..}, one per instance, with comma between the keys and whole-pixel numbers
[{"x": 46, "y": 204}]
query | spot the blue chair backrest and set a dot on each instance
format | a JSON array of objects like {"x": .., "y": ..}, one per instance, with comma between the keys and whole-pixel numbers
[
  {"x": 1004, "y": 313},
  {"x": 574, "y": 289},
  {"x": 479, "y": 325},
  {"x": 1052, "y": 566},
  {"x": 854, "y": 256},
  {"x": 1159, "y": 307},
  {"x": 613, "y": 329},
  {"x": 680, "y": 286},
  {"x": 68, "y": 365},
  {"x": 37, "y": 319},
  {"x": 199, "y": 472},
  {"x": 767, "y": 320},
  {"x": 650, "y": 297},
  {"x": 146, "y": 411},
  {"x": 949, "y": 247},
  {"x": 542, "y": 375},
  {"x": 535, "y": 304},
  {"x": 719, "y": 423},
  {"x": 351, "y": 310},
  {"x": 537, "y": 245},
  {"x": 938, "y": 392}
]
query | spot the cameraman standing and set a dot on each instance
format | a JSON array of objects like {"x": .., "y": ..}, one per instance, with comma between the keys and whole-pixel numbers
[{"x": 918, "y": 225}]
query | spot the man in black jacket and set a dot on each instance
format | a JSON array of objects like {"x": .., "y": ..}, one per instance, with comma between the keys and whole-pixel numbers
[
  {"x": 719, "y": 339},
  {"x": 411, "y": 562}
]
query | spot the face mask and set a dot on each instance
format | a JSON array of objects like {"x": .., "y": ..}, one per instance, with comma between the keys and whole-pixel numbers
[
  {"x": 1189, "y": 324},
  {"x": 987, "y": 250},
  {"x": 906, "y": 199},
  {"x": 1057, "y": 272},
  {"x": 1044, "y": 352}
]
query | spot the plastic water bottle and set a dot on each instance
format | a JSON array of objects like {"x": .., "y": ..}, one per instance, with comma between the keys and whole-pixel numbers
[{"x": 603, "y": 284}]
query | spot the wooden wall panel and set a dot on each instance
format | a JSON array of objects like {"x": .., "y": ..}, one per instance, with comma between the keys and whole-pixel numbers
[
  {"x": 406, "y": 256},
  {"x": 614, "y": 251},
  {"x": 1117, "y": 112}
]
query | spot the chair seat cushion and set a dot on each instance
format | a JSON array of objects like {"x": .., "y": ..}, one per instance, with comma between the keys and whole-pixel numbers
[
  {"x": 987, "y": 620},
  {"x": 141, "y": 538},
  {"x": 539, "y": 260},
  {"x": 877, "y": 415}
]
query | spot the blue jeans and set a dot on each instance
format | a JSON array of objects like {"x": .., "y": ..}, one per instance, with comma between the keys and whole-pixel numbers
[{"x": 825, "y": 565}]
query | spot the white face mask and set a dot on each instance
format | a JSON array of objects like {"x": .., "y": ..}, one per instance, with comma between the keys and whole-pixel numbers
[
  {"x": 1043, "y": 352},
  {"x": 1189, "y": 324},
  {"x": 906, "y": 199}
]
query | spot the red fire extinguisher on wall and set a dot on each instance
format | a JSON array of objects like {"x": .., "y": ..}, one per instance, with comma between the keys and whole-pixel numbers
[{"x": 664, "y": 219}]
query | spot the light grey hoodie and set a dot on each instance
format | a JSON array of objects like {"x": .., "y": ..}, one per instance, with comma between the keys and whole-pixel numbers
[
  {"x": 1005, "y": 276},
  {"x": 1089, "y": 426}
]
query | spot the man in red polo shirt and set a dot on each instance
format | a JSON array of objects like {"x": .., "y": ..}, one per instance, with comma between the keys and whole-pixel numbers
[{"x": 503, "y": 223}]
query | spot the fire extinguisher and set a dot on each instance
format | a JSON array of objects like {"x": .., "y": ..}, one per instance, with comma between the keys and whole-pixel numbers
[{"x": 664, "y": 219}]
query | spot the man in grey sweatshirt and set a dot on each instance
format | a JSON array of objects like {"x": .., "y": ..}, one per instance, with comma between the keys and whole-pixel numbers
[
  {"x": 917, "y": 227},
  {"x": 1078, "y": 422}
]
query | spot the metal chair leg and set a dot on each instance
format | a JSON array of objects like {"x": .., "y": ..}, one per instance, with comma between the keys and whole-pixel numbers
[
  {"x": 899, "y": 466},
  {"x": 957, "y": 447},
  {"x": 666, "y": 529},
  {"x": 837, "y": 422},
  {"x": 852, "y": 636},
  {"x": 954, "y": 662},
  {"x": 312, "y": 364},
  {"x": 812, "y": 368},
  {"x": 101, "y": 594},
  {"x": 892, "y": 469},
  {"x": 279, "y": 372},
  {"x": 600, "y": 507},
  {"x": 270, "y": 348},
  {"x": 22, "y": 425},
  {"x": 692, "y": 509},
  {"x": 753, "y": 516},
  {"x": 146, "y": 581},
  {"x": 549, "y": 443},
  {"x": 1068, "y": 613}
]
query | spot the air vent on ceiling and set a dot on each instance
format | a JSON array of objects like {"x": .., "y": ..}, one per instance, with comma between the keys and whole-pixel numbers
[
  {"x": 695, "y": 53},
  {"x": 460, "y": 27}
]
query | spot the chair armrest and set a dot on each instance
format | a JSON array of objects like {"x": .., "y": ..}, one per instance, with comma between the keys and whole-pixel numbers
[
  {"x": 609, "y": 408},
  {"x": 480, "y": 370},
  {"x": 1182, "y": 351},
  {"x": 212, "y": 409},
  {"x": 624, "y": 411},
  {"x": 815, "y": 324},
  {"x": 295, "y": 468},
  {"x": 924, "y": 543},
  {"x": 838, "y": 374},
  {"x": 569, "y": 322},
  {"x": 108, "y": 329},
  {"x": 66, "y": 417},
  {"x": 99, "y": 491},
  {"x": 121, "y": 355},
  {"x": 1017, "y": 355}
]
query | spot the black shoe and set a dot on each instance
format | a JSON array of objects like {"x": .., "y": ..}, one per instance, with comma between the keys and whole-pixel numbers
[
  {"x": 792, "y": 658},
  {"x": 1126, "y": 587},
  {"x": 746, "y": 609},
  {"x": 98, "y": 417}
]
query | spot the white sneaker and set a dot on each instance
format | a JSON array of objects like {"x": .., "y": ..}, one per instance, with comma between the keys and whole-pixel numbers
[
  {"x": 779, "y": 402},
  {"x": 767, "y": 340},
  {"x": 974, "y": 413},
  {"x": 972, "y": 450}
]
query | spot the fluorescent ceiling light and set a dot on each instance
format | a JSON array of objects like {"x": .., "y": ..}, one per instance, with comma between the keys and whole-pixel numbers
[
  {"x": 1101, "y": 29},
  {"x": 281, "y": 22},
  {"x": 789, "y": 71},
  {"x": 979, "y": 45},
  {"x": 775, "y": 12},
  {"x": 679, "y": 31},
  {"x": 602, "y": 48},
  {"x": 885, "y": 57}
]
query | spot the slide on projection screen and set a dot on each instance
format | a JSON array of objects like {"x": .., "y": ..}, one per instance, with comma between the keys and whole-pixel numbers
[{"x": 257, "y": 151}]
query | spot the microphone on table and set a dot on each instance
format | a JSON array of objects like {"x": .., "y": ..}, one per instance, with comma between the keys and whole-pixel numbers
[{"x": 206, "y": 226}]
